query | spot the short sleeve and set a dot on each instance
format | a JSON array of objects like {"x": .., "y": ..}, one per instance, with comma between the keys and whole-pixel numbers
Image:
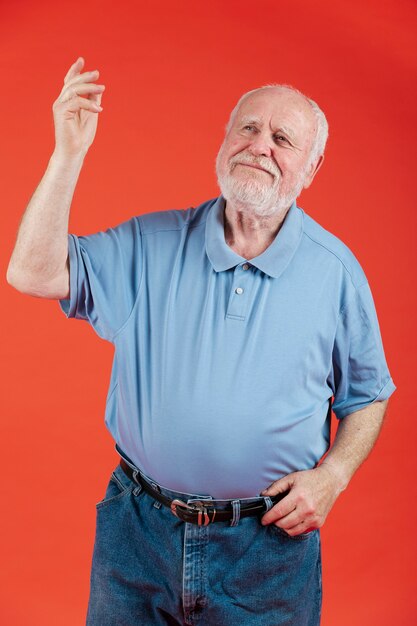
[
  {"x": 105, "y": 272},
  {"x": 360, "y": 371}
]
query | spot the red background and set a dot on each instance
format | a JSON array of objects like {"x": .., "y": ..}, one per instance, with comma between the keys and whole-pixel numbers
[{"x": 173, "y": 71}]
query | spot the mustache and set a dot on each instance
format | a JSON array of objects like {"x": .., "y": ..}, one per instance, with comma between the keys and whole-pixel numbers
[{"x": 263, "y": 162}]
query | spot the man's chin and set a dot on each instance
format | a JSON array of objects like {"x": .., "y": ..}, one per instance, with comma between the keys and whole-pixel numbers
[
  {"x": 249, "y": 197},
  {"x": 256, "y": 204},
  {"x": 252, "y": 205}
]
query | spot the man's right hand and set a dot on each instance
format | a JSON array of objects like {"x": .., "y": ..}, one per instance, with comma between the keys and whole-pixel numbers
[{"x": 75, "y": 111}]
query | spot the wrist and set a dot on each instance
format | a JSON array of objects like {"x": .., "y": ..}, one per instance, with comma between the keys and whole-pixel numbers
[
  {"x": 339, "y": 474},
  {"x": 67, "y": 160}
]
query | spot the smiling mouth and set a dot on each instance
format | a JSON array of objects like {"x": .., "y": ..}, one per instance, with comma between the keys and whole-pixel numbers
[{"x": 256, "y": 167}]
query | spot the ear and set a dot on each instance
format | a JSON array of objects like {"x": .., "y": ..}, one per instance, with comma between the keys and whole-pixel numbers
[{"x": 314, "y": 168}]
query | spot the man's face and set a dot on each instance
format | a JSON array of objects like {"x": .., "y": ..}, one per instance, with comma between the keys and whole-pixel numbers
[{"x": 263, "y": 163}]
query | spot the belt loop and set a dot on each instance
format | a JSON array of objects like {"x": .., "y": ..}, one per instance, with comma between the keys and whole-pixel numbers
[
  {"x": 135, "y": 476},
  {"x": 268, "y": 503},
  {"x": 137, "y": 490},
  {"x": 236, "y": 512},
  {"x": 156, "y": 487}
]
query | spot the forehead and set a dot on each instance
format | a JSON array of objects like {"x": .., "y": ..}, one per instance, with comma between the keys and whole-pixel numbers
[{"x": 279, "y": 108}]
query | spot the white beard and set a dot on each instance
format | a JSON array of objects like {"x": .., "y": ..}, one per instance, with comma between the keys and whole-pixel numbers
[{"x": 251, "y": 195}]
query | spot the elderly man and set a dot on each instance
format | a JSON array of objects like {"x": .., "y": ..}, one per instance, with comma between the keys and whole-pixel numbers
[{"x": 237, "y": 326}]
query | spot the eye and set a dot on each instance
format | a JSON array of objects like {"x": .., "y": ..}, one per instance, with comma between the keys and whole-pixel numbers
[
  {"x": 249, "y": 127},
  {"x": 281, "y": 139}
]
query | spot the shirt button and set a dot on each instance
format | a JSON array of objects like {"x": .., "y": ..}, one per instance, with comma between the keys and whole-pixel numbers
[
  {"x": 245, "y": 266},
  {"x": 239, "y": 291}
]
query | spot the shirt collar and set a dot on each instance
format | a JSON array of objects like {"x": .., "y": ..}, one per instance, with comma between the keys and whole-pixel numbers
[{"x": 272, "y": 261}]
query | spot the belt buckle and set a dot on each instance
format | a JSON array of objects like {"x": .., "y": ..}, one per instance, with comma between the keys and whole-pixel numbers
[{"x": 203, "y": 518}]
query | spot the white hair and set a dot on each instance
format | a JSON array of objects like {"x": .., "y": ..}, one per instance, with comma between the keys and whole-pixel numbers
[{"x": 322, "y": 133}]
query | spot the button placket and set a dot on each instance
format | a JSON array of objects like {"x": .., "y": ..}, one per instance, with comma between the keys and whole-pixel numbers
[{"x": 238, "y": 300}]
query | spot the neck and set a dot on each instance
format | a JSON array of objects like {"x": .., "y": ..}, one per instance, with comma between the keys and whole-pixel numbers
[{"x": 249, "y": 234}]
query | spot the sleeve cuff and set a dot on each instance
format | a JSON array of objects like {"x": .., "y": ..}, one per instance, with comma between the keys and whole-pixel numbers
[
  {"x": 69, "y": 305},
  {"x": 386, "y": 391}
]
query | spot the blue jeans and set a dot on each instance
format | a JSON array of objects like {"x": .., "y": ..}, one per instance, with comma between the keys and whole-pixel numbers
[{"x": 150, "y": 568}]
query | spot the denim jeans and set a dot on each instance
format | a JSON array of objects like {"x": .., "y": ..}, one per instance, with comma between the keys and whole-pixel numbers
[{"x": 151, "y": 568}]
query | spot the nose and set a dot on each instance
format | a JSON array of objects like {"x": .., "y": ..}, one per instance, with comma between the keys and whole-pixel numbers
[{"x": 260, "y": 145}]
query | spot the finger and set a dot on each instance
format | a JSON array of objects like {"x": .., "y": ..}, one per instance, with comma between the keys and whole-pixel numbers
[
  {"x": 96, "y": 98},
  {"x": 279, "y": 486},
  {"x": 293, "y": 518},
  {"x": 76, "y": 90},
  {"x": 82, "y": 78},
  {"x": 280, "y": 510},
  {"x": 74, "y": 69},
  {"x": 302, "y": 527},
  {"x": 75, "y": 83},
  {"x": 75, "y": 104}
]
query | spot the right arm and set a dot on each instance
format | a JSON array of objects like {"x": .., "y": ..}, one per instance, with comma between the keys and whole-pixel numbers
[{"x": 39, "y": 263}]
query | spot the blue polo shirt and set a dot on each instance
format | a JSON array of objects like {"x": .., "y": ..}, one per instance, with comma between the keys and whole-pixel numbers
[{"x": 224, "y": 367}]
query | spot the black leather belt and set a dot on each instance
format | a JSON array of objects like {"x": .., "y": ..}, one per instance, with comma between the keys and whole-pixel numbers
[{"x": 200, "y": 512}]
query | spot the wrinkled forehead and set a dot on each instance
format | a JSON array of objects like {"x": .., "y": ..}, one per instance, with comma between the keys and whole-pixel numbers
[{"x": 278, "y": 107}]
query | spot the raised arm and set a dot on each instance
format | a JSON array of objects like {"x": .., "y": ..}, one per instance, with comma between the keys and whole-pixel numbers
[{"x": 39, "y": 262}]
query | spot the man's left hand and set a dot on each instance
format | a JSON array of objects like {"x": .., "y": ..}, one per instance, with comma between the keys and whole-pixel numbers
[{"x": 312, "y": 494}]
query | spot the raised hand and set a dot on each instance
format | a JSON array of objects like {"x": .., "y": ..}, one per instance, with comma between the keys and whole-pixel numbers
[{"x": 76, "y": 111}]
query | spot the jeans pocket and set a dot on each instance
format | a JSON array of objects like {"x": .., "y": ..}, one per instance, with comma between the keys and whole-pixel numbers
[
  {"x": 282, "y": 533},
  {"x": 118, "y": 487}
]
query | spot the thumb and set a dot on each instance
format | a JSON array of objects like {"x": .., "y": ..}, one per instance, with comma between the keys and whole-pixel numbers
[
  {"x": 279, "y": 486},
  {"x": 96, "y": 97}
]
